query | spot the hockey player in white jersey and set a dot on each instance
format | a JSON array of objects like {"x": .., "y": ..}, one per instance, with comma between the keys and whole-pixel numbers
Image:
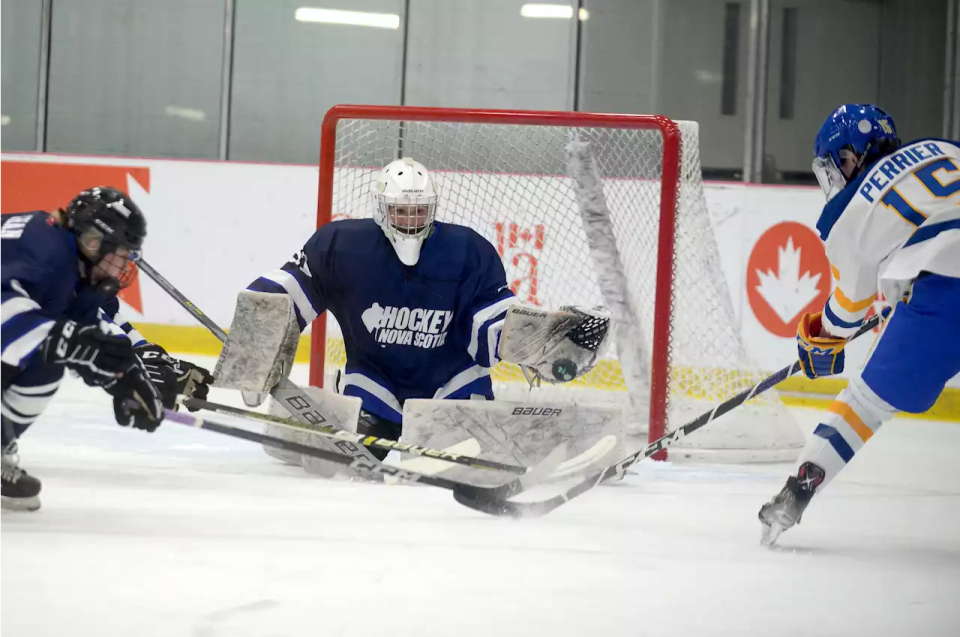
[
  {"x": 891, "y": 224},
  {"x": 423, "y": 305}
]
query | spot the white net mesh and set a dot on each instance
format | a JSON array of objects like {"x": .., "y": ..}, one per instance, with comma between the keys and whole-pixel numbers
[{"x": 511, "y": 183}]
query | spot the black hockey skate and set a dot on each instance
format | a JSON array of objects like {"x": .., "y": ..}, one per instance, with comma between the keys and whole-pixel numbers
[
  {"x": 787, "y": 507},
  {"x": 20, "y": 489}
]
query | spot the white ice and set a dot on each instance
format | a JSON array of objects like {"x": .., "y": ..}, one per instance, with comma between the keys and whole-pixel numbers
[{"x": 185, "y": 532}]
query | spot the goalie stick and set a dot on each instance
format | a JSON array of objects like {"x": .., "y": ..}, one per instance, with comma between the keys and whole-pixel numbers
[
  {"x": 472, "y": 492},
  {"x": 503, "y": 507},
  {"x": 303, "y": 407},
  {"x": 333, "y": 433}
]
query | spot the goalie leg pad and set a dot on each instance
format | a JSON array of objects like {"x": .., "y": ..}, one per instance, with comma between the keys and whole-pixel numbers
[
  {"x": 516, "y": 433},
  {"x": 261, "y": 344},
  {"x": 342, "y": 412}
]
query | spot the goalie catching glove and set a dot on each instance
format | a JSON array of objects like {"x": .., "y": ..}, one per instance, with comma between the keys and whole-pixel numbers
[{"x": 555, "y": 346}]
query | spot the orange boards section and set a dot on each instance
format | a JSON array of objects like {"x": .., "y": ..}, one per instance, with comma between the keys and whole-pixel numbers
[{"x": 31, "y": 185}]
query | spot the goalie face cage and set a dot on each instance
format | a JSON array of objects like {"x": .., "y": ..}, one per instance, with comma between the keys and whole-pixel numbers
[{"x": 584, "y": 209}]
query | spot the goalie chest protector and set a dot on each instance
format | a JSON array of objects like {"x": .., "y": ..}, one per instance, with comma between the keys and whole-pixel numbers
[{"x": 407, "y": 328}]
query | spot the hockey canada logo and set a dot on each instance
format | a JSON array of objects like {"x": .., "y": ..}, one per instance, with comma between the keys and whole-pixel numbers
[
  {"x": 407, "y": 326},
  {"x": 788, "y": 273}
]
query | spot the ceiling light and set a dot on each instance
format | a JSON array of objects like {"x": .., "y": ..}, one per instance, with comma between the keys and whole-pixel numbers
[
  {"x": 192, "y": 114},
  {"x": 355, "y": 18},
  {"x": 564, "y": 11}
]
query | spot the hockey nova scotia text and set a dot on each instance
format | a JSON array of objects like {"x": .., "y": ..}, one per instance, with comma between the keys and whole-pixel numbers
[{"x": 407, "y": 326}]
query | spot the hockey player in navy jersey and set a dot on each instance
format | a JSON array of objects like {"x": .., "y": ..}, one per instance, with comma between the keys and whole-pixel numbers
[
  {"x": 891, "y": 224},
  {"x": 421, "y": 305},
  {"x": 61, "y": 274}
]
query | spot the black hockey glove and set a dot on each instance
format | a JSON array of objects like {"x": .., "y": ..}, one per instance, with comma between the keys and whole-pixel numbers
[
  {"x": 172, "y": 376},
  {"x": 193, "y": 381},
  {"x": 161, "y": 371},
  {"x": 136, "y": 400},
  {"x": 97, "y": 356}
]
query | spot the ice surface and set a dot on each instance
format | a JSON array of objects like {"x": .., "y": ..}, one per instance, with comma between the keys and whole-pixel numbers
[{"x": 184, "y": 532}]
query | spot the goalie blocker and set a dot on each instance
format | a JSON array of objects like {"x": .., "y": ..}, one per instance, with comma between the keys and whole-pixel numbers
[{"x": 260, "y": 346}]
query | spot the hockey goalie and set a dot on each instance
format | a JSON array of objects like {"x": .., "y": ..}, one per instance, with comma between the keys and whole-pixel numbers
[{"x": 424, "y": 308}]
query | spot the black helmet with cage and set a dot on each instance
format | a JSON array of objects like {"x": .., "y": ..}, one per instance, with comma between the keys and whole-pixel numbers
[{"x": 110, "y": 230}]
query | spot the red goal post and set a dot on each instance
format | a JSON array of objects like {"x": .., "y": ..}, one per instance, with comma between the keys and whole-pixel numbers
[{"x": 669, "y": 188}]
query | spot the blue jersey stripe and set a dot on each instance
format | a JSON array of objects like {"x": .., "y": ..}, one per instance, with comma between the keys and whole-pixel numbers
[
  {"x": 831, "y": 435},
  {"x": 929, "y": 231},
  {"x": 272, "y": 287}
]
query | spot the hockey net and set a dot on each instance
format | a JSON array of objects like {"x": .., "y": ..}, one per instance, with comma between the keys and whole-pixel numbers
[{"x": 530, "y": 182}]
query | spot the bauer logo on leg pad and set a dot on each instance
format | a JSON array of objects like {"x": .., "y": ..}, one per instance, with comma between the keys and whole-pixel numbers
[{"x": 537, "y": 411}]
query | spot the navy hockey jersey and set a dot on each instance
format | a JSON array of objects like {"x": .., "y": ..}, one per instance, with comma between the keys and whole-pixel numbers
[
  {"x": 424, "y": 331},
  {"x": 41, "y": 284}
]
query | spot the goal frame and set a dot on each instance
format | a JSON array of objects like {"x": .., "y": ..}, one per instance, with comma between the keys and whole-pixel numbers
[{"x": 669, "y": 189}]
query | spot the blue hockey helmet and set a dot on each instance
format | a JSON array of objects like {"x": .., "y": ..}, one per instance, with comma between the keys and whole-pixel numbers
[{"x": 857, "y": 133}]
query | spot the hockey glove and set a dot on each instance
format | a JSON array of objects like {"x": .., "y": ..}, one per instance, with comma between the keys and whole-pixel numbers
[
  {"x": 819, "y": 355},
  {"x": 193, "y": 381},
  {"x": 136, "y": 401},
  {"x": 161, "y": 371},
  {"x": 97, "y": 356},
  {"x": 172, "y": 376}
]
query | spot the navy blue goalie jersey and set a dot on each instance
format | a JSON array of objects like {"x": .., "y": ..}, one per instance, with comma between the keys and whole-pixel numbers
[
  {"x": 425, "y": 331},
  {"x": 41, "y": 284}
]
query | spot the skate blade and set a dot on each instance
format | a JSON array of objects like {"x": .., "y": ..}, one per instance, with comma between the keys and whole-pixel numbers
[
  {"x": 770, "y": 533},
  {"x": 19, "y": 504}
]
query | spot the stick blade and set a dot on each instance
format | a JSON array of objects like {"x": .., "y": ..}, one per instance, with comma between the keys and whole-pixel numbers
[
  {"x": 499, "y": 507},
  {"x": 534, "y": 476},
  {"x": 493, "y": 500}
]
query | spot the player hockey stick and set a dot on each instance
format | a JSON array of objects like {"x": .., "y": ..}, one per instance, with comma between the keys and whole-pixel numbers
[
  {"x": 181, "y": 299},
  {"x": 469, "y": 491},
  {"x": 535, "y": 509},
  {"x": 303, "y": 407},
  {"x": 366, "y": 441}
]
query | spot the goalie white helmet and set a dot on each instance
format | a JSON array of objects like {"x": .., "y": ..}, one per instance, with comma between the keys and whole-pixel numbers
[{"x": 406, "y": 204}]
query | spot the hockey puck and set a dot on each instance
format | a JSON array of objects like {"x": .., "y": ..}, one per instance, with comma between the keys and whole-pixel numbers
[{"x": 564, "y": 370}]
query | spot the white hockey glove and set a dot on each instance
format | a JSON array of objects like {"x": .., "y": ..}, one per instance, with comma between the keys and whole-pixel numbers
[{"x": 555, "y": 346}]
